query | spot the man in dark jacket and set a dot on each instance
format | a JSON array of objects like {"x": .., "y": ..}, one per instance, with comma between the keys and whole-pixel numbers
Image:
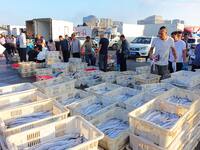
[
  {"x": 123, "y": 53},
  {"x": 64, "y": 47}
]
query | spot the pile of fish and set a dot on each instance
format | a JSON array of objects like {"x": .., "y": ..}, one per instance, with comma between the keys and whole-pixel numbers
[
  {"x": 70, "y": 100},
  {"x": 124, "y": 97},
  {"x": 102, "y": 90},
  {"x": 27, "y": 119},
  {"x": 139, "y": 103},
  {"x": 113, "y": 127},
  {"x": 161, "y": 118},
  {"x": 159, "y": 90},
  {"x": 68, "y": 141},
  {"x": 185, "y": 101},
  {"x": 92, "y": 108}
]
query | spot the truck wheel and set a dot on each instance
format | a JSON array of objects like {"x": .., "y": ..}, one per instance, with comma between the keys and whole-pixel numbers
[{"x": 114, "y": 47}]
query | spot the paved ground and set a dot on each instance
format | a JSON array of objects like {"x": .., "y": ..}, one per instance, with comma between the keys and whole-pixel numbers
[{"x": 9, "y": 75}]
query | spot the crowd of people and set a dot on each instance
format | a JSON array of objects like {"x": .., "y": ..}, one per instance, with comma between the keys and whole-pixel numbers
[{"x": 168, "y": 54}]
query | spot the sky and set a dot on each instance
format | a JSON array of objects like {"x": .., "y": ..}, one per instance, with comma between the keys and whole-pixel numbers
[{"x": 15, "y": 12}]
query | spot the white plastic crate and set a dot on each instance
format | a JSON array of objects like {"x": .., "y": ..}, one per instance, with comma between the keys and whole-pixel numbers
[
  {"x": 88, "y": 81},
  {"x": 183, "y": 73},
  {"x": 16, "y": 88},
  {"x": 182, "y": 100},
  {"x": 52, "y": 132},
  {"x": 75, "y": 60},
  {"x": 123, "y": 94},
  {"x": 72, "y": 98},
  {"x": 157, "y": 134},
  {"x": 23, "y": 98},
  {"x": 196, "y": 89},
  {"x": 110, "y": 76},
  {"x": 184, "y": 80},
  {"x": 74, "y": 67},
  {"x": 126, "y": 80},
  {"x": 143, "y": 70},
  {"x": 103, "y": 88},
  {"x": 56, "y": 86},
  {"x": 116, "y": 111},
  {"x": 43, "y": 72},
  {"x": 181, "y": 141},
  {"x": 129, "y": 73},
  {"x": 147, "y": 79},
  {"x": 92, "y": 106},
  {"x": 60, "y": 67},
  {"x": 156, "y": 88},
  {"x": 52, "y": 110},
  {"x": 139, "y": 99}
]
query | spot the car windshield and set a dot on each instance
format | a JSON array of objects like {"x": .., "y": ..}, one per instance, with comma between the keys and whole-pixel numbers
[
  {"x": 191, "y": 40},
  {"x": 142, "y": 40}
]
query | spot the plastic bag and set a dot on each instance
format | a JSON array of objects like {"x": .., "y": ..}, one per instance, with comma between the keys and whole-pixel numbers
[{"x": 174, "y": 66}]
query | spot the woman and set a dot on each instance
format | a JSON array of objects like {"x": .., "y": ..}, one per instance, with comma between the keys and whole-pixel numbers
[{"x": 89, "y": 52}]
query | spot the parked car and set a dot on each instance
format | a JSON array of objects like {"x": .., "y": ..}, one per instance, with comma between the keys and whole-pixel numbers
[
  {"x": 113, "y": 43},
  {"x": 140, "y": 46}
]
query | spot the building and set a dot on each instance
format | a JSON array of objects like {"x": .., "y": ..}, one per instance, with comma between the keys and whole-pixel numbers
[
  {"x": 158, "y": 20},
  {"x": 15, "y": 29},
  {"x": 3, "y": 29},
  {"x": 105, "y": 23},
  {"x": 91, "y": 20},
  {"x": 151, "y": 20}
]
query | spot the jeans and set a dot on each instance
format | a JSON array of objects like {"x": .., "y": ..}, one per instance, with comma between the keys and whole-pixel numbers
[
  {"x": 103, "y": 62},
  {"x": 162, "y": 71},
  {"x": 66, "y": 56},
  {"x": 76, "y": 55},
  {"x": 90, "y": 60},
  {"x": 179, "y": 67},
  {"x": 123, "y": 66},
  {"x": 22, "y": 54}
]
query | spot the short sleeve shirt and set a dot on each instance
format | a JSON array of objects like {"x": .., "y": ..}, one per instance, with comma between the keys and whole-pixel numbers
[
  {"x": 162, "y": 49},
  {"x": 180, "y": 46}
]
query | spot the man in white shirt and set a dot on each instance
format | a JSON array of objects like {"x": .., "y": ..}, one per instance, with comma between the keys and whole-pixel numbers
[
  {"x": 22, "y": 46},
  {"x": 163, "y": 45},
  {"x": 180, "y": 47}
]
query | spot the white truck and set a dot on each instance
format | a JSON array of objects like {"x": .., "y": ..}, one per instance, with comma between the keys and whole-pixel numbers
[{"x": 48, "y": 28}]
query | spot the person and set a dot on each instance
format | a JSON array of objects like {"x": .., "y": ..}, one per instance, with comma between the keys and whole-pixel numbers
[
  {"x": 103, "y": 53},
  {"x": 51, "y": 45},
  {"x": 163, "y": 45},
  {"x": 22, "y": 46},
  {"x": 2, "y": 40},
  {"x": 64, "y": 47},
  {"x": 32, "y": 54},
  {"x": 196, "y": 61},
  {"x": 123, "y": 53},
  {"x": 180, "y": 47},
  {"x": 89, "y": 53},
  {"x": 75, "y": 46},
  {"x": 42, "y": 54},
  {"x": 13, "y": 44}
]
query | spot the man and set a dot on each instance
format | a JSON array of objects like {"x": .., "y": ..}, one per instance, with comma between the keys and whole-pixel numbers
[
  {"x": 196, "y": 61},
  {"x": 123, "y": 53},
  {"x": 32, "y": 54},
  {"x": 103, "y": 53},
  {"x": 163, "y": 45},
  {"x": 75, "y": 46},
  {"x": 64, "y": 47},
  {"x": 22, "y": 46}
]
